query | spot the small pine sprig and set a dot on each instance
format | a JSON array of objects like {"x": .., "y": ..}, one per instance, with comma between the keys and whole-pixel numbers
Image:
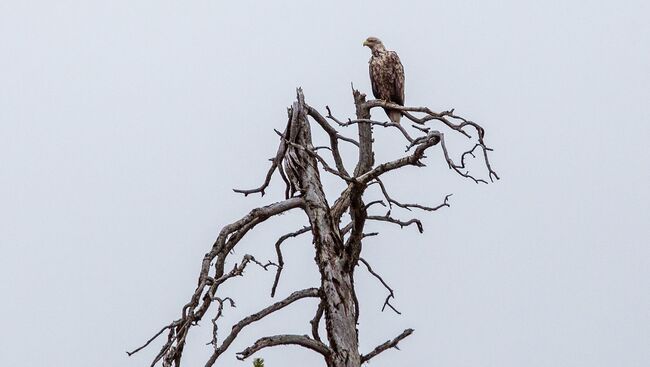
[{"x": 258, "y": 362}]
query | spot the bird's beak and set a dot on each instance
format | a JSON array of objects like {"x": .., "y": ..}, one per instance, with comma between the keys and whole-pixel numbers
[{"x": 365, "y": 43}]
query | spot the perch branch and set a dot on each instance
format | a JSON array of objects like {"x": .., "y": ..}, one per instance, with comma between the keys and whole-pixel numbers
[
  {"x": 372, "y": 122},
  {"x": 446, "y": 118}
]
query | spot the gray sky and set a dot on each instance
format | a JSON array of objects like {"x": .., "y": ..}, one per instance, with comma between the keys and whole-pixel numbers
[{"x": 124, "y": 125}]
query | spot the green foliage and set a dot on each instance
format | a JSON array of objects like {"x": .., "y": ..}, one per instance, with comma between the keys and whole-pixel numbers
[{"x": 258, "y": 362}]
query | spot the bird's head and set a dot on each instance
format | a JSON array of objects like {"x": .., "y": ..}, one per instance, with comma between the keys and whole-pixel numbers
[{"x": 373, "y": 43}]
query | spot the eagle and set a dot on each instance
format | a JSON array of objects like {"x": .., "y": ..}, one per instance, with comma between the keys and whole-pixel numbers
[{"x": 386, "y": 76}]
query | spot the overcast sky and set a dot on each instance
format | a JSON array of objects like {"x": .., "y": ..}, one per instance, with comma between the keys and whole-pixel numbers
[{"x": 124, "y": 125}]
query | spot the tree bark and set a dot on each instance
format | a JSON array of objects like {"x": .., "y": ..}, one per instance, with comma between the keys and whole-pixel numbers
[{"x": 333, "y": 263}]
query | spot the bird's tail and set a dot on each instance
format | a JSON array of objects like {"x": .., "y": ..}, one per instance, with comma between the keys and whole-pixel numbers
[{"x": 394, "y": 115}]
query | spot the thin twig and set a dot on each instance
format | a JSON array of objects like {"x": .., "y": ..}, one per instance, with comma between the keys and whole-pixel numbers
[
  {"x": 408, "y": 206},
  {"x": 278, "y": 251},
  {"x": 391, "y": 293}
]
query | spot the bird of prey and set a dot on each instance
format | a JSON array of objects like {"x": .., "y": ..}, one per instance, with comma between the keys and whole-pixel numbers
[{"x": 386, "y": 76}]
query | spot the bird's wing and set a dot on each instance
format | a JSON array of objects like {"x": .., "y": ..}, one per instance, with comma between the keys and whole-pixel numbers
[
  {"x": 397, "y": 71},
  {"x": 374, "y": 77}
]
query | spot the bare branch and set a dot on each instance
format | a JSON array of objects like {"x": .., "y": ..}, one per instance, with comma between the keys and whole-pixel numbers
[
  {"x": 316, "y": 320},
  {"x": 408, "y": 206},
  {"x": 207, "y": 286},
  {"x": 173, "y": 324},
  {"x": 402, "y": 224},
  {"x": 276, "y": 162},
  {"x": 334, "y": 136},
  {"x": 237, "y": 270},
  {"x": 456, "y": 167},
  {"x": 432, "y": 138},
  {"x": 429, "y": 115},
  {"x": 366, "y": 154},
  {"x": 369, "y": 121},
  {"x": 237, "y": 328},
  {"x": 389, "y": 344},
  {"x": 446, "y": 118},
  {"x": 380, "y": 202},
  {"x": 278, "y": 251},
  {"x": 271, "y": 341},
  {"x": 320, "y": 159},
  {"x": 391, "y": 294},
  {"x": 215, "y": 326}
]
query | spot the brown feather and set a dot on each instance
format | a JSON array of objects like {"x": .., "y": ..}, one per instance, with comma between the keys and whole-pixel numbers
[{"x": 387, "y": 79}]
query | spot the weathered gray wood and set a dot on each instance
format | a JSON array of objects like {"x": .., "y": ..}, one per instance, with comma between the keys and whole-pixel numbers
[{"x": 336, "y": 282}]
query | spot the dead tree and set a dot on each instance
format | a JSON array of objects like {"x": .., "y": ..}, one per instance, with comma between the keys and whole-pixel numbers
[{"x": 338, "y": 246}]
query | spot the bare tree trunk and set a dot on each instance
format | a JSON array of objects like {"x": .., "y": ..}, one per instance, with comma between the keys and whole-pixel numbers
[{"x": 333, "y": 264}]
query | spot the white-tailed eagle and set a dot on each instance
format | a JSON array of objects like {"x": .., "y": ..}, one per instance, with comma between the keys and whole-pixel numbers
[{"x": 386, "y": 76}]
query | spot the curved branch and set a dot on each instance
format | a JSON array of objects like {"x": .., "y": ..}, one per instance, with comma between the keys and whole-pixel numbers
[
  {"x": 215, "y": 326},
  {"x": 432, "y": 138},
  {"x": 170, "y": 326},
  {"x": 372, "y": 122},
  {"x": 391, "y": 294},
  {"x": 271, "y": 341},
  {"x": 430, "y": 115},
  {"x": 316, "y": 321},
  {"x": 402, "y": 224},
  {"x": 204, "y": 294},
  {"x": 445, "y": 117},
  {"x": 456, "y": 167},
  {"x": 279, "y": 156},
  {"x": 334, "y": 136},
  {"x": 280, "y": 258},
  {"x": 408, "y": 206},
  {"x": 237, "y": 328}
]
